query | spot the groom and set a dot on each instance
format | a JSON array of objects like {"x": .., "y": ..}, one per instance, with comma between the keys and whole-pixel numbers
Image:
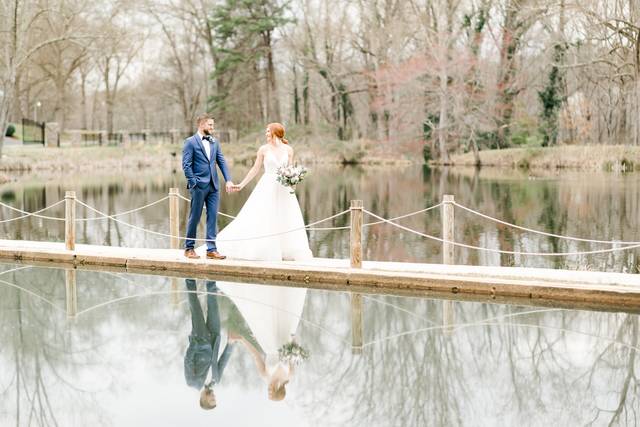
[
  {"x": 200, "y": 155},
  {"x": 205, "y": 339}
]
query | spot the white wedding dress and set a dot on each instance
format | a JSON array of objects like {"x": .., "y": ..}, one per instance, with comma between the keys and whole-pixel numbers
[
  {"x": 271, "y": 312},
  {"x": 269, "y": 227}
]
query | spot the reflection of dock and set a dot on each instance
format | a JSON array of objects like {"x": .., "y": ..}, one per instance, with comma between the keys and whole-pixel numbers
[{"x": 529, "y": 286}]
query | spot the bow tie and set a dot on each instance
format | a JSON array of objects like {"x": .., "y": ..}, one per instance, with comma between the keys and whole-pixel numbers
[{"x": 207, "y": 138}]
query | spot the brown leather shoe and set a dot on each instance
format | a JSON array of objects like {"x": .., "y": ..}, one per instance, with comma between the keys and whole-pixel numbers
[
  {"x": 190, "y": 253},
  {"x": 215, "y": 255}
]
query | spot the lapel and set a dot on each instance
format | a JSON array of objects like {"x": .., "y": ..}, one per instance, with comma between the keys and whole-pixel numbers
[
  {"x": 201, "y": 144},
  {"x": 212, "y": 147}
]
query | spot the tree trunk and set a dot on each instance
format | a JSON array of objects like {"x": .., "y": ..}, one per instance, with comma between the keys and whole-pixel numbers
[
  {"x": 296, "y": 97},
  {"x": 109, "y": 104},
  {"x": 95, "y": 124},
  {"x": 506, "y": 73},
  {"x": 83, "y": 100},
  {"x": 636, "y": 133},
  {"x": 273, "y": 103},
  {"x": 476, "y": 152},
  {"x": 305, "y": 97},
  {"x": 6, "y": 102},
  {"x": 444, "y": 117},
  {"x": 372, "y": 95},
  {"x": 444, "y": 41},
  {"x": 636, "y": 123},
  {"x": 59, "y": 106},
  {"x": 4, "y": 118}
]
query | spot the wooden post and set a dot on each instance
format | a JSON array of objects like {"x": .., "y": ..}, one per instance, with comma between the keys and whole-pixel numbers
[
  {"x": 448, "y": 249},
  {"x": 175, "y": 294},
  {"x": 71, "y": 292},
  {"x": 174, "y": 217},
  {"x": 356, "y": 324},
  {"x": 356, "y": 234},
  {"x": 448, "y": 317},
  {"x": 70, "y": 220},
  {"x": 448, "y": 256},
  {"x": 174, "y": 230},
  {"x": 103, "y": 139},
  {"x": 126, "y": 139}
]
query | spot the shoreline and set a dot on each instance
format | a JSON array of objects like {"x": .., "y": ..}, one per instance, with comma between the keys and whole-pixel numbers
[
  {"x": 599, "y": 158},
  {"x": 34, "y": 159}
]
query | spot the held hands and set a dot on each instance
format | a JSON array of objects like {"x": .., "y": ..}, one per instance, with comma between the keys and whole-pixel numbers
[{"x": 232, "y": 188}]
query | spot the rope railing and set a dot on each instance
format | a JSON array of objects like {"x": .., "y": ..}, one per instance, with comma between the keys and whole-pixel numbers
[
  {"x": 101, "y": 217},
  {"x": 403, "y": 216},
  {"x": 34, "y": 214},
  {"x": 544, "y": 233},
  {"x": 500, "y": 251},
  {"x": 447, "y": 239},
  {"x": 55, "y": 218},
  {"x": 157, "y": 233},
  {"x": 186, "y": 199}
]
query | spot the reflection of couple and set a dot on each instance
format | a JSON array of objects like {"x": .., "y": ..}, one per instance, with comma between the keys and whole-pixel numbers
[
  {"x": 271, "y": 210},
  {"x": 271, "y": 313},
  {"x": 204, "y": 345}
]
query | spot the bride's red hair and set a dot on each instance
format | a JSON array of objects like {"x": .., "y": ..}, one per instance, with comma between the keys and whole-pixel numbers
[{"x": 277, "y": 130}]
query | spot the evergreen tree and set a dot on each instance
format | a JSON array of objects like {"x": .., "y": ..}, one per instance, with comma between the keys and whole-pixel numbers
[{"x": 552, "y": 99}]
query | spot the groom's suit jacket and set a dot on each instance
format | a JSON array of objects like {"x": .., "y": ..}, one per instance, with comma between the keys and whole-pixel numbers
[
  {"x": 198, "y": 169},
  {"x": 205, "y": 339}
]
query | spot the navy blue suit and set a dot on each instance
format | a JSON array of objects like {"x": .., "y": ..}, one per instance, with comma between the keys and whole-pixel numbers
[
  {"x": 204, "y": 341},
  {"x": 202, "y": 182}
]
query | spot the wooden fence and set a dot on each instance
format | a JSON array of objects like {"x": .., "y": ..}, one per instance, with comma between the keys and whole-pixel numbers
[{"x": 81, "y": 138}]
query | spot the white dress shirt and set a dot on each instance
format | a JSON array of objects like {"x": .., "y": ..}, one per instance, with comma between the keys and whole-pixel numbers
[{"x": 207, "y": 146}]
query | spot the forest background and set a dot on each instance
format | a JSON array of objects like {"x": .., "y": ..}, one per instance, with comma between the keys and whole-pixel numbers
[{"x": 431, "y": 79}]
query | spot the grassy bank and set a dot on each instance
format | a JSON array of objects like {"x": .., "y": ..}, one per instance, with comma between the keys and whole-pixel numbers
[
  {"x": 310, "y": 149},
  {"x": 583, "y": 157}
]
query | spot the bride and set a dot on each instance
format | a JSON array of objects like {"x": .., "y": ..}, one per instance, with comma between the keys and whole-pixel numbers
[
  {"x": 269, "y": 227},
  {"x": 273, "y": 314}
]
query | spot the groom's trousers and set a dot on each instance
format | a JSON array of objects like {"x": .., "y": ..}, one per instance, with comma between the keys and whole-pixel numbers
[{"x": 200, "y": 197}]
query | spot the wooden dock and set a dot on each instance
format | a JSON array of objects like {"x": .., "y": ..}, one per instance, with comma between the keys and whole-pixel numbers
[{"x": 526, "y": 286}]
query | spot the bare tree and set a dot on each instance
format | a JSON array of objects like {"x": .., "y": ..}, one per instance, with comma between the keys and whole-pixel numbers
[
  {"x": 23, "y": 35},
  {"x": 61, "y": 59},
  {"x": 185, "y": 62},
  {"x": 113, "y": 53}
]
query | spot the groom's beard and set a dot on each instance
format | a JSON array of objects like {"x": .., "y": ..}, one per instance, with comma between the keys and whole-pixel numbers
[{"x": 207, "y": 132}]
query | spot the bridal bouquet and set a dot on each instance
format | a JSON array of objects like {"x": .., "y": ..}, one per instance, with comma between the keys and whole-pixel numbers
[
  {"x": 292, "y": 353},
  {"x": 290, "y": 176}
]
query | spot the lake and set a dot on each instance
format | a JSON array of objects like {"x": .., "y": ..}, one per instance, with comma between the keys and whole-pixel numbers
[
  {"x": 423, "y": 362},
  {"x": 121, "y": 361}
]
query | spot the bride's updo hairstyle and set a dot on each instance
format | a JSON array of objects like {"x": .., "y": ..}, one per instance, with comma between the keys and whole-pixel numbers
[{"x": 277, "y": 130}]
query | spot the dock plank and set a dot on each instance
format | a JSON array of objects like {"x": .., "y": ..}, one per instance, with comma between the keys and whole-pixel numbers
[{"x": 547, "y": 287}]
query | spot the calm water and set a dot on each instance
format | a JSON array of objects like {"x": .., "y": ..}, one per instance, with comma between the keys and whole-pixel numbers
[
  {"x": 423, "y": 362},
  {"x": 599, "y": 206}
]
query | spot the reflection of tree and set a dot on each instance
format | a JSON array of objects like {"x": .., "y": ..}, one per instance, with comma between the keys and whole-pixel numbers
[
  {"x": 516, "y": 366},
  {"x": 42, "y": 355},
  {"x": 622, "y": 363},
  {"x": 61, "y": 374},
  {"x": 502, "y": 364}
]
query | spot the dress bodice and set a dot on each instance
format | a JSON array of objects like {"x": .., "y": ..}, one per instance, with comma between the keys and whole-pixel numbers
[{"x": 272, "y": 161}]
